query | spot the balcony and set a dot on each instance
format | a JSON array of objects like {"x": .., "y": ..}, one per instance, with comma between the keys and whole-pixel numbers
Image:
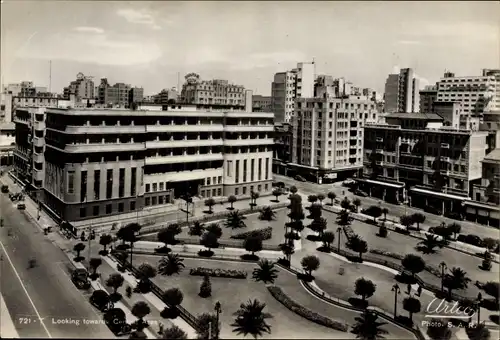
[
  {"x": 186, "y": 143},
  {"x": 379, "y": 162},
  {"x": 187, "y": 128},
  {"x": 102, "y": 147},
  {"x": 38, "y": 141},
  {"x": 104, "y": 129},
  {"x": 38, "y": 175},
  {"x": 445, "y": 146},
  {"x": 39, "y": 126},
  {"x": 445, "y": 159},
  {"x": 249, "y": 128},
  {"x": 445, "y": 172},
  {"x": 353, "y": 137},
  {"x": 38, "y": 158},
  {"x": 379, "y": 139},
  {"x": 184, "y": 158},
  {"x": 248, "y": 141},
  {"x": 381, "y": 151}
]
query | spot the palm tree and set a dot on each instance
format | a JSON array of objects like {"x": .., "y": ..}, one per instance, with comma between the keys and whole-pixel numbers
[
  {"x": 277, "y": 193},
  {"x": 367, "y": 327},
  {"x": 209, "y": 202},
  {"x": 214, "y": 229},
  {"x": 251, "y": 319},
  {"x": 413, "y": 263},
  {"x": 231, "y": 199},
  {"x": 171, "y": 264},
  {"x": 331, "y": 195},
  {"x": 267, "y": 214},
  {"x": 104, "y": 241},
  {"x": 327, "y": 239},
  {"x": 174, "y": 333},
  {"x": 266, "y": 272},
  {"x": 438, "y": 329},
  {"x": 115, "y": 281},
  {"x": 456, "y": 279},
  {"x": 429, "y": 243},
  {"x": 357, "y": 203},
  {"x": 418, "y": 218},
  {"x": 310, "y": 264},
  {"x": 385, "y": 211},
  {"x": 411, "y": 305},
  {"x": 365, "y": 288},
  {"x": 196, "y": 229},
  {"x": 140, "y": 310},
  {"x": 235, "y": 220}
]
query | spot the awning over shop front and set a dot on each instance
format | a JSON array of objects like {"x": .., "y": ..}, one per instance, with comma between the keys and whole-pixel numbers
[
  {"x": 386, "y": 184},
  {"x": 439, "y": 194},
  {"x": 483, "y": 206}
]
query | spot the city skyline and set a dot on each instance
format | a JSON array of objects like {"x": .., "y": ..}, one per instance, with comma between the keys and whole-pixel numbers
[{"x": 147, "y": 43}]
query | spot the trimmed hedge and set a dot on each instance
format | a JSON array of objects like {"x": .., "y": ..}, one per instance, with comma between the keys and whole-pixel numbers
[
  {"x": 264, "y": 234},
  {"x": 217, "y": 272},
  {"x": 293, "y": 306},
  {"x": 430, "y": 269}
]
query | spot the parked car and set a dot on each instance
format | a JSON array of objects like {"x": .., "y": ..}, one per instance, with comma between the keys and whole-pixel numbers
[
  {"x": 116, "y": 321},
  {"x": 432, "y": 210},
  {"x": 300, "y": 178},
  {"x": 455, "y": 216},
  {"x": 5, "y": 189},
  {"x": 80, "y": 277},
  {"x": 360, "y": 193},
  {"x": 21, "y": 206},
  {"x": 348, "y": 182},
  {"x": 101, "y": 300}
]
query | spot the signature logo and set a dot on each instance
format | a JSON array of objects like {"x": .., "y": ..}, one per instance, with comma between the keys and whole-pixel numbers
[{"x": 440, "y": 308}]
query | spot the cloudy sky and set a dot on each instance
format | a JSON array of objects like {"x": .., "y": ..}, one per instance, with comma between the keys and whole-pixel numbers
[{"x": 148, "y": 43}]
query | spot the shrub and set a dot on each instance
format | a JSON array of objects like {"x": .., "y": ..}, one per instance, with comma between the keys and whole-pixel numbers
[
  {"x": 293, "y": 306},
  {"x": 433, "y": 270},
  {"x": 264, "y": 234},
  {"x": 205, "y": 287},
  {"x": 382, "y": 231},
  {"x": 205, "y": 253},
  {"x": 217, "y": 272},
  {"x": 402, "y": 231}
]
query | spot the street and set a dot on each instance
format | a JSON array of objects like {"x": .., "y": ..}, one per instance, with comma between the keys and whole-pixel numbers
[
  {"x": 42, "y": 301},
  {"x": 395, "y": 211}
]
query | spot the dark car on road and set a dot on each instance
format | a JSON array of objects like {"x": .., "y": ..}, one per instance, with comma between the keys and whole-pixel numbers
[
  {"x": 116, "y": 321},
  {"x": 80, "y": 277},
  {"x": 300, "y": 178},
  {"x": 21, "y": 206},
  {"x": 5, "y": 189},
  {"x": 360, "y": 193},
  {"x": 101, "y": 300}
]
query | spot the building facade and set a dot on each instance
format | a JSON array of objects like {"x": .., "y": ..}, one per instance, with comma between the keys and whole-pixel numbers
[
  {"x": 166, "y": 96},
  {"x": 328, "y": 136},
  {"x": 81, "y": 88},
  {"x": 402, "y": 92},
  {"x": 477, "y": 94},
  {"x": 7, "y": 143},
  {"x": 282, "y": 153},
  {"x": 290, "y": 85},
  {"x": 104, "y": 162},
  {"x": 211, "y": 92},
  {"x": 427, "y": 98},
  {"x": 136, "y": 95},
  {"x": 413, "y": 157},
  {"x": 262, "y": 103}
]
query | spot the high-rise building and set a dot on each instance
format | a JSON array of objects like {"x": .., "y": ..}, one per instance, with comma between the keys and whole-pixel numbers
[
  {"x": 166, "y": 96},
  {"x": 211, "y": 92},
  {"x": 118, "y": 95},
  {"x": 402, "y": 92},
  {"x": 427, "y": 98},
  {"x": 136, "y": 95},
  {"x": 81, "y": 88},
  {"x": 328, "y": 136},
  {"x": 290, "y": 85},
  {"x": 100, "y": 163},
  {"x": 477, "y": 94},
  {"x": 262, "y": 103}
]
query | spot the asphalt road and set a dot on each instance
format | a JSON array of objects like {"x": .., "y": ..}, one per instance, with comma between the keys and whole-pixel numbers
[
  {"x": 395, "y": 211},
  {"x": 42, "y": 301}
]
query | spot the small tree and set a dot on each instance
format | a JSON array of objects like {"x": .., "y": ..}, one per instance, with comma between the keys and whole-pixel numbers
[
  {"x": 253, "y": 199},
  {"x": 209, "y": 240},
  {"x": 478, "y": 332},
  {"x": 358, "y": 245},
  {"x": 172, "y": 297},
  {"x": 364, "y": 288},
  {"x": 418, "y": 218},
  {"x": 331, "y": 195},
  {"x": 167, "y": 235},
  {"x": 310, "y": 264},
  {"x": 174, "y": 333},
  {"x": 345, "y": 204},
  {"x": 209, "y": 202},
  {"x": 293, "y": 189},
  {"x": 140, "y": 310},
  {"x": 406, "y": 220},
  {"x": 207, "y": 326},
  {"x": 312, "y": 199},
  {"x": 492, "y": 288},
  {"x": 146, "y": 272},
  {"x": 94, "y": 263},
  {"x": 253, "y": 245},
  {"x": 78, "y": 248},
  {"x": 319, "y": 226},
  {"x": 438, "y": 330},
  {"x": 205, "y": 287},
  {"x": 215, "y": 229},
  {"x": 231, "y": 199},
  {"x": 267, "y": 214},
  {"x": 277, "y": 193},
  {"x": 327, "y": 239},
  {"x": 357, "y": 203},
  {"x": 413, "y": 263},
  {"x": 412, "y": 306},
  {"x": 455, "y": 228},
  {"x": 321, "y": 198},
  {"x": 104, "y": 241},
  {"x": 196, "y": 229},
  {"x": 115, "y": 281}
]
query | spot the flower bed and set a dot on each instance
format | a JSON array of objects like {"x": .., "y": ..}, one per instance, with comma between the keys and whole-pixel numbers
[
  {"x": 293, "y": 306},
  {"x": 264, "y": 234},
  {"x": 428, "y": 268},
  {"x": 227, "y": 273}
]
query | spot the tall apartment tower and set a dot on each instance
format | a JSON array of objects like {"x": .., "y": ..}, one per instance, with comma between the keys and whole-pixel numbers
[
  {"x": 427, "y": 98},
  {"x": 288, "y": 86},
  {"x": 82, "y": 88},
  {"x": 402, "y": 92}
]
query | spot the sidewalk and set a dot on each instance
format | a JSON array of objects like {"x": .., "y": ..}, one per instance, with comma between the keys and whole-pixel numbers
[{"x": 7, "y": 328}]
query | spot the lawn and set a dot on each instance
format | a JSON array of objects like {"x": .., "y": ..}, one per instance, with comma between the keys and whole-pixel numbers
[
  {"x": 232, "y": 292},
  {"x": 402, "y": 244}
]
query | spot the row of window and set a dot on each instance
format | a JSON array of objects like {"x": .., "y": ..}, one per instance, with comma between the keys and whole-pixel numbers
[
  {"x": 252, "y": 168},
  {"x": 96, "y": 209},
  {"x": 248, "y": 190},
  {"x": 156, "y": 200}
]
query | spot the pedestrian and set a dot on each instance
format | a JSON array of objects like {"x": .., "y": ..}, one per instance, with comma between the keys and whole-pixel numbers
[
  {"x": 419, "y": 291},
  {"x": 409, "y": 289},
  {"x": 160, "y": 331},
  {"x": 128, "y": 291}
]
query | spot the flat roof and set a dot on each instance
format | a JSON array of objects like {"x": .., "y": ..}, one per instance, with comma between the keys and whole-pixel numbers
[
  {"x": 439, "y": 194},
  {"x": 392, "y": 185},
  {"x": 414, "y": 115}
]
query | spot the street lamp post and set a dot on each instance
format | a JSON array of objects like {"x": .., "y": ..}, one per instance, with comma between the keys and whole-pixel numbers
[
  {"x": 396, "y": 291},
  {"x": 443, "y": 267},
  {"x": 339, "y": 230},
  {"x": 479, "y": 299},
  {"x": 218, "y": 310}
]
